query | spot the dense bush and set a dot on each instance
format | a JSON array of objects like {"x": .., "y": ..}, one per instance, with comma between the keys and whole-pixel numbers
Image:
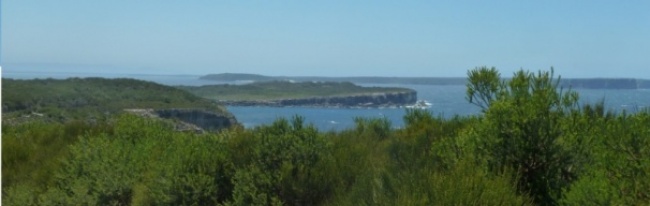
[
  {"x": 31, "y": 150},
  {"x": 284, "y": 163},
  {"x": 618, "y": 169},
  {"x": 532, "y": 145}
]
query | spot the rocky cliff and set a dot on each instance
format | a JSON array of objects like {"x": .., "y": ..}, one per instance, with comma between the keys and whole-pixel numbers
[
  {"x": 387, "y": 99},
  {"x": 197, "y": 120}
]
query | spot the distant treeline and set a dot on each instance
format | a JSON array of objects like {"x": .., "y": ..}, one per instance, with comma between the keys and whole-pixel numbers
[{"x": 591, "y": 83}]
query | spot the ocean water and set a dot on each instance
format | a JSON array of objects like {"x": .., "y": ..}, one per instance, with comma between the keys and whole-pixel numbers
[
  {"x": 444, "y": 99},
  {"x": 447, "y": 101}
]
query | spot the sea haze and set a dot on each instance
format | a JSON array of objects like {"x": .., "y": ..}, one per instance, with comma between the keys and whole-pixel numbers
[{"x": 447, "y": 101}]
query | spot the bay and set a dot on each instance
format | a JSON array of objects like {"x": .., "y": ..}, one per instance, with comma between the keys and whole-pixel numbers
[{"x": 446, "y": 101}]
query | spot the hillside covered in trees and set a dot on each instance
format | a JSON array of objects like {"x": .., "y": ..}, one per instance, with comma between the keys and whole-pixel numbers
[
  {"x": 531, "y": 145},
  {"x": 91, "y": 98}
]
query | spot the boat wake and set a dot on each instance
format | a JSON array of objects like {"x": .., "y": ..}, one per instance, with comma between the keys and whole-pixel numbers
[{"x": 420, "y": 104}]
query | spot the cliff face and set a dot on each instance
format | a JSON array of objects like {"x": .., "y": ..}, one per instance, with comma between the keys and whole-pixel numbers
[
  {"x": 369, "y": 100},
  {"x": 196, "y": 120}
]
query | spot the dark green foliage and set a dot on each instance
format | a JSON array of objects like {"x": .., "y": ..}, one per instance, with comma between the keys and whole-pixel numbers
[
  {"x": 464, "y": 184},
  {"x": 285, "y": 165},
  {"x": 522, "y": 128},
  {"x": 422, "y": 165},
  {"x": 31, "y": 150},
  {"x": 376, "y": 128},
  {"x": 139, "y": 161},
  {"x": 144, "y": 162},
  {"x": 430, "y": 141},
  {"x": 617, "y": 171}
]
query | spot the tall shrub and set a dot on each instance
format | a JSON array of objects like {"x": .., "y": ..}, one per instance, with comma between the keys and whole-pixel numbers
[{"x": 522, "y": 127}]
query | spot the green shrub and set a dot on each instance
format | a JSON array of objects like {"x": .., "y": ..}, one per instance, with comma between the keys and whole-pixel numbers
[
  {"x": 31, "y": 152},
  {"x": 463, "y": 184},
  {"x": 284, "y": 166},
  {"x": 522, "y": 128},
  {"x": 619, "y": 173},
  {"x": 143, "y": 161}
]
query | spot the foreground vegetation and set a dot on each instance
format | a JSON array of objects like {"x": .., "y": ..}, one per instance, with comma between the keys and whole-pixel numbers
[
  {"x": 533, "y": 145},
  {"x": 276, "y": 90}
]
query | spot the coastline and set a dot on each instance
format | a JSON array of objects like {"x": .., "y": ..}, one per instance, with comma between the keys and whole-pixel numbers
[{"x": 375, "y": 100}]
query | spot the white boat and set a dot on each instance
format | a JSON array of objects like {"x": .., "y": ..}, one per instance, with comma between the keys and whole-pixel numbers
[{"x": 420, "y": 104}]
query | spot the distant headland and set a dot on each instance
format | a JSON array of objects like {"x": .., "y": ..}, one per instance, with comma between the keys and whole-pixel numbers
[
  {"x": 238, "y": 77},
  {"x": 576, "y": 83},
  {"x": 308, "y": 94}
]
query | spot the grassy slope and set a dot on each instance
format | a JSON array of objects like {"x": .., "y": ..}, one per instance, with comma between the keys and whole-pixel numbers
[
  {"x": 284, "y": 90},
  {"x": 73, "y": 98}
]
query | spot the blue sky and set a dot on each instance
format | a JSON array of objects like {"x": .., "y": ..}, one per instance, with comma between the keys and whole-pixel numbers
[{"x": 327, "y": 38}]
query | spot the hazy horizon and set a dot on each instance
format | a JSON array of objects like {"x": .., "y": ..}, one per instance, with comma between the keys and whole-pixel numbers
[
  {"x": 84, "y": 74},
  {"x": 580, "y": 39}
]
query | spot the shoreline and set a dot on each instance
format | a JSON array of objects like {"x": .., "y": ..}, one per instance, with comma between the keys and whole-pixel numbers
[{"x": 374, "y": 100}]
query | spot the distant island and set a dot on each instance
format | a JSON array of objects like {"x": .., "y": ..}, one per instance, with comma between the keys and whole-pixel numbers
[
  {"x": 577, "y": 83},
  {"x": 313, "y": 94}
]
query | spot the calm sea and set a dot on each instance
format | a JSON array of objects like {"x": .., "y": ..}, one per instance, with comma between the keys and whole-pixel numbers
[{"x": 447, "y": 101}]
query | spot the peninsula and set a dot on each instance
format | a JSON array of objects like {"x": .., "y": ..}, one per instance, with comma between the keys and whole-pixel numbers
[{"x": 311, "y": 94}]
